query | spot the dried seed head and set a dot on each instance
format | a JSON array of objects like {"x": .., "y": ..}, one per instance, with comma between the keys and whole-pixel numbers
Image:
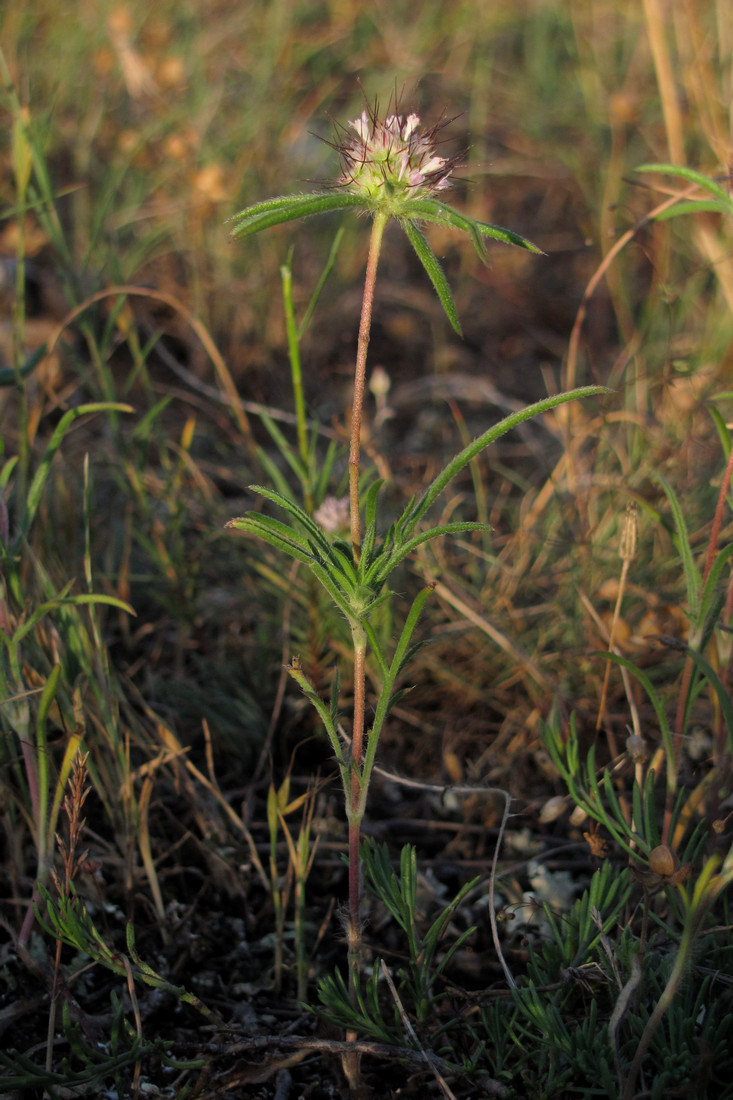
[
  {"x": 637, "y": 748},
  {"x": 662, "y": 861},
  {"x": 380, "y": 382},
  {"x": 627, "y": 548},
  {"x": 578, "y": 816},
  {"x": 552, "y": 809}
]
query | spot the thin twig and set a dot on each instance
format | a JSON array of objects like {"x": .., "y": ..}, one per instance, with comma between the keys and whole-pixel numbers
[
  {"x": 492, "y": 910},
  {"x": 361, "y": 1046},
  {"x": 444, "y": 1086}
]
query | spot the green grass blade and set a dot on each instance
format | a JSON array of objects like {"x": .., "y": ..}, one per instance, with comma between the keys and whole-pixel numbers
[
  {"x": 711, "y": 590},
  {"x": 682, "y": 542},
  {"x": 9, "y": 377},
  {"x": 302, "y": 328},
  {"x": 724, "y": 699},
  {"x": 293, "y": 460},
  {"x": 652, "y": 695},
  {"x": 708, "y": 206},
  {"x": 691, "y": 176},
  {"x": 36, "y": 487},
  {"x": 721, "y": 427}
]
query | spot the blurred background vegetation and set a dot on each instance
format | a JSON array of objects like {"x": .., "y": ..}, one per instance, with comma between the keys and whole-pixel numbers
[{"x": 131, "y": 132}]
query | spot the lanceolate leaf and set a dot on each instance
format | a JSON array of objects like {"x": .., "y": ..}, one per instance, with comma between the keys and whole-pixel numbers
[
  {"x": 277, "y": 534},
  {"x": 386, "y": 561},
  {"x": 290, "y": 506},
  {"x": 435, "y": 272},
  {"x": 440, "y": 213},
  {"x": 411, "y": 518},
  {"x": 507, "y": 236},
  {"x": 286, "y": 209}
]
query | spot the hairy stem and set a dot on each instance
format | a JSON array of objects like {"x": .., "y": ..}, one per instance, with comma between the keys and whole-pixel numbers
[
  {"x": 365, "y": 324},
  {"x": 356, "y": 801},
  {"x": 355, "y": 814}
]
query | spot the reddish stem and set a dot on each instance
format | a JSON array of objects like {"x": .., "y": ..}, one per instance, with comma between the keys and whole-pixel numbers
[
  {"x": 688, "y": 668},
  {"x": 357, "y": 753},
  {"x": 365, "y": 324}
]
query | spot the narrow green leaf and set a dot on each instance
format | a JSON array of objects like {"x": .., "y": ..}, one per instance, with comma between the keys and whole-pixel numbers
[
  {"x": 321, "y": 282},
  {"x": 692, "y": 176},
  {"x": 279, "y": 202},
  {"x": 288, "y": 208},
  {"x": 275, "y": 533},
  {"x": 638, "y": 810},
  {"x": 722, "y": 429},
  {"x": 36, "y": 487},
  {"x": 428, "y": 259},
  {"x": 439, "y": 212},
  {"x": 325, "y": 714},
  {"x": 710, "y": 592},
  {"x": 324, "y": 469},
  {"x": 367, "y": 550},
  {"x": 708, "y": 206},
  {"x": 297, "y": 512},
  {"x": 340, "y": 597},
  {"x": 654, "y": 699},
  {"x": 412, "y": 652},
  {"x": 431, "y": 210},
  {"x": 682, "y": 542},
  {"x": 411, "y": 518},
  {"x": 377, "y": 649},
  {"x": 383, "y": 703},
  {"x": 384, "y": 564},
  {"x": 370, "y": 501},
  {"x": 67, "y": 601},
  {"x": 277, "y": 526},
  {"x": 9, "y": 377},
  {"x": 726, "y": 706},
  {"x": 508, "y": 236},
  {"x": 274, "y": 472},
  {"x": 335, "y": 694},
  {"x": 651, "y": 826},
  {"x": 287, "y": 452},
  {"x": 340, "y": 561}
]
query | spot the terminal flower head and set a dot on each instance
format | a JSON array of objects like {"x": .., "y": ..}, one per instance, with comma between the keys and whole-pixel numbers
[
  {"x": 389, "y": 169},
  {"x": 391, "y": 158}
]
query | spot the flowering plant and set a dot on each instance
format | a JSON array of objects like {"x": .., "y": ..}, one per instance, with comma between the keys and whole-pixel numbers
[{"x": 389, "y": 169}]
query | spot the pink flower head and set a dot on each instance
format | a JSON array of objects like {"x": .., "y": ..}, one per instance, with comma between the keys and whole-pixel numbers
[{"x": 391, "y": 159}]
